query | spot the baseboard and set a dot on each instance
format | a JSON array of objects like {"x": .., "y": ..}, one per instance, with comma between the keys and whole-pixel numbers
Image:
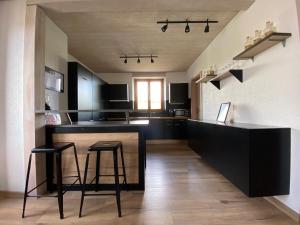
[
  {"x": 11, "y": 194},
  {"x": 285, "y": 209},
  {"x": 166, "y": 141}
]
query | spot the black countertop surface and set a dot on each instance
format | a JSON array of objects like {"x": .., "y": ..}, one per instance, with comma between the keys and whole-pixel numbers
[
  {"x": 239, "y": 125},
  {"x": 133, "y": 123}
]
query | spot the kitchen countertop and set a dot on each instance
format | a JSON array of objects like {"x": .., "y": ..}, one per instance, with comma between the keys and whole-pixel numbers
[
  {"x": 132, "y": 123},
  {"x": 162, "y": 117},
  {"x": 238, "y": 125}
]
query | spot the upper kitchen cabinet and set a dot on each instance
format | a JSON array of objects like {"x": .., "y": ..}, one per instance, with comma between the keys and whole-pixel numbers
[
  {"x": 84, "y": 92},
  {"x": 178, "y": 93},
  {"x": 117, "y": 92}
]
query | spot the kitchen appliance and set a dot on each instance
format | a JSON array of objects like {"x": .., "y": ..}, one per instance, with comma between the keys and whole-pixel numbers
[{"x": 179, "y": 112}]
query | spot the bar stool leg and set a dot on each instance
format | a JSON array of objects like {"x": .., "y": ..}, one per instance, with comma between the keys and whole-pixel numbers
[
  {"x": 26, "y": 185},
  {"x": 97, "y": 170},
  {"x": 117, "y": 185},
  {"x": 123, "y": 166},
  {"x": 59, "y": 185},
  {"x": 77, "y": 165},
  {"x": 84, "y": 182}
]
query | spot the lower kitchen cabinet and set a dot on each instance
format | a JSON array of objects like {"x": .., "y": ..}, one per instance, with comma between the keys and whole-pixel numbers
[
  {"x": 255, "y": 158},
  {"x": 167, "y": 129}
]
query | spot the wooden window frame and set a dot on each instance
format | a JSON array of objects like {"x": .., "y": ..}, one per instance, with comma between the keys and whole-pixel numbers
[{"x": 149, "y": 102}]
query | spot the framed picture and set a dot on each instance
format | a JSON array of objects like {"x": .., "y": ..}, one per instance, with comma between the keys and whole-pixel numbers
[
  {"x": 223, "y": 112},
  {"x": 54, "y": 80}
]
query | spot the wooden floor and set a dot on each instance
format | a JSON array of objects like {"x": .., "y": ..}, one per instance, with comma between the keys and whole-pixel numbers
[{"x": 180, "y": 189}]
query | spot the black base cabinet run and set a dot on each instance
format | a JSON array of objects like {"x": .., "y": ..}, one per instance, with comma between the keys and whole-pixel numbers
[{"x": 255, "y": 158}]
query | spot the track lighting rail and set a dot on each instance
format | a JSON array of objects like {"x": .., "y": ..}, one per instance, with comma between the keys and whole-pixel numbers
[
  {"x": 185, "y": 21},
  {"x": 138, "y": 57}
]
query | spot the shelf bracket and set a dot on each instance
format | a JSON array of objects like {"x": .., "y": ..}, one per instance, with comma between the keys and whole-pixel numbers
[
  {"x": 216, "y": 84},
  {"x": 238, "y": 74},
  {"x": 284, "y": 43}
]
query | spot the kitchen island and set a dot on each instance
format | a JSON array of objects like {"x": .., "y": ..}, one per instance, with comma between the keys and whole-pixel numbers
[{"x": 84, "y": 134}]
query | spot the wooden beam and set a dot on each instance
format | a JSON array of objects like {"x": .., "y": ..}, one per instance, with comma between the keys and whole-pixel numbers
[
  {"x": 298, "y": 16},
  {"x": 33, "y": 91}
]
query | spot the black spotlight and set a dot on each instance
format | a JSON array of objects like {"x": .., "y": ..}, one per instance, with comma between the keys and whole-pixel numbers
[
  {"x": 206, "y": 30},
  {"x": 152, "y": 61},
  {"x": 187, "y": 27},
  {"x": 164, "y": 27},
  {"x": 125, "y": 61},
  {"x": 138, "y": 60}
]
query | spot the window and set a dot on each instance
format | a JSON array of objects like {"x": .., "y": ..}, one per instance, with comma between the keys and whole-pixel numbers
[{"x": 148, "y": 94}]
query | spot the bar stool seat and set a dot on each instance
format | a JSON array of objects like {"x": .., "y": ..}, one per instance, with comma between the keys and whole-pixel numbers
[
  {"x": 105, "y": 146},
  {"x": 57, "y": 149}
]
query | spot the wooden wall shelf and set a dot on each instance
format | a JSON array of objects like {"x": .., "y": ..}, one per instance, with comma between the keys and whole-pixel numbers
[
  {"x": 206, "y": 79},
  {"x": 238, "y": 74},
  {"x": 264, "y": 44}
]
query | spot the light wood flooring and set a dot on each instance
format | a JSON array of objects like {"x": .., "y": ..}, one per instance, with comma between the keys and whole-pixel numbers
[{"x": 181, "y": 189}]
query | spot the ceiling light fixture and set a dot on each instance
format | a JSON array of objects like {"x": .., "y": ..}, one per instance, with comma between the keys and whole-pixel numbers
[
  {"x": 206, "y": 30},
  {"x": 187, "y": 27},
  {"x": 139, "y": 57},
  {"x": 187, "y": 22}
]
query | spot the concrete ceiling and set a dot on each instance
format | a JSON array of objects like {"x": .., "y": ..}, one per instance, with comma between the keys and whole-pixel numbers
[{"x": 100, "y": 31}]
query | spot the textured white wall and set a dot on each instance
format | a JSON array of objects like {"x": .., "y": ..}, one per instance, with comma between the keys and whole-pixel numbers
[
  {"x": 270, "y": 92},
  {"x": 12, "y": 23},
  {"x": 56, "y": 57}
]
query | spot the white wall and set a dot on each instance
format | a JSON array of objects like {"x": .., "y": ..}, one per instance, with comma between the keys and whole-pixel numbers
[
  {"x": 56, "y": 58},
  {"x": 12, "y": 23},
  {"x": 270, "y": 92}
]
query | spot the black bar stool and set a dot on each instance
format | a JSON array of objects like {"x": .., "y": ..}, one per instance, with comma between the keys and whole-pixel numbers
[
  {"x": 101, "y": 146},
  {"x": 57, "y": 149}
]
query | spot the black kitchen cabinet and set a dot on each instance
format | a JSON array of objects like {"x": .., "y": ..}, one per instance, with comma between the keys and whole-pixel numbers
[
  {"x": 116, "y": 92},
  {"x": 178, "y": 93},
  {"x": 84, "y": 92},
  {"x": 155, "y": 129},
  {"x": 98, "y": 98},
  {"x": 255, "y": 158},
  {"x": 179, "y": 129},
  {"x": 167, "y": 129}
]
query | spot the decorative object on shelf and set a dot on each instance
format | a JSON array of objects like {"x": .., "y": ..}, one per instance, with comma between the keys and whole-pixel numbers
[
  {"x": 262, "y": 45},
  {"x": 270, "y": 28},
  {"x": 257, "y": 36},
  {"x": 138, "y": 57},
  {"x": 187, "y": 22},
  {"x": 249, "y": 42},
  {"x": 207, "y": 74},
  {"x": 205, "y": 77},
  {"x": 54, "y": 80}
]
